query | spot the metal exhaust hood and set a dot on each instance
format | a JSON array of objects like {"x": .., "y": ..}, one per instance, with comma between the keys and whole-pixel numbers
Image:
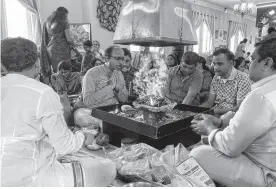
[{"x": 155, "y": 23}]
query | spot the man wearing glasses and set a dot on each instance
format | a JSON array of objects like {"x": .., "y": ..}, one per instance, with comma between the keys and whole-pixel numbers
[
  {"x": 185, "y": 81},
  {"x": 105, "y": 85}
]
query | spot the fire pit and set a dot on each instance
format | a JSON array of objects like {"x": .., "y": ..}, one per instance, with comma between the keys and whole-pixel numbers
[
  {"x": 153, "y": 109},
  {"x": 152, "y": 117},
  {"x": 152, "y": 122},
  {"x": 150, "y": 131},
  {"x": 156, "y": 120}
]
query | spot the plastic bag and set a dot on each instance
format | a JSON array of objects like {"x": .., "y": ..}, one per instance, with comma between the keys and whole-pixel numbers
[
  {"x": 98, "y": 172},
  {"x": 178, "y": 161},
  {"x": 170, "y": 167},
  {"x": 83, "y": 118},
  {"x": 145, "y": 163}
]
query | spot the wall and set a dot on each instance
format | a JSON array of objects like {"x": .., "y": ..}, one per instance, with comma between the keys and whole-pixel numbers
[
  {"x": 80, "y": 11},
  {"x": 222, "y": 22},
  {"x": 89, "y": 13},
  {"x": 74, "y": 7},
  {"x": 85, "y": 11}
]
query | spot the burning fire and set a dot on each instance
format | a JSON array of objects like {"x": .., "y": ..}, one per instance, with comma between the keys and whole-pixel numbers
[
  {"x": 152, "y": 103},
  {"x": 151, "y": 78}
]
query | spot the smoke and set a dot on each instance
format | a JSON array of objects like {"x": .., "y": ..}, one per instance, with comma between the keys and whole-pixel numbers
[{"x": 152, "y": 77}]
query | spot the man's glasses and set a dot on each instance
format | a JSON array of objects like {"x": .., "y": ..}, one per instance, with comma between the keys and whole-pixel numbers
[{"x": 118, "y": 58}]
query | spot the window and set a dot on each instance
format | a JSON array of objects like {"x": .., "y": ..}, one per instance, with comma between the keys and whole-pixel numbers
[
  {"x": 196, "y": 46},
  {"x": 235, "y": 40},
  {"x": 204, "y": 38},
  {"x": 134, "y": 48},
  {"x": 17, "y": 24}
]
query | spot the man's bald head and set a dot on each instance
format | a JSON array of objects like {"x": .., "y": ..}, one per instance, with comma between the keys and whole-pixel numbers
[
  {"x": 115, "y": 56},
  {"x": 113, "y": 49}
]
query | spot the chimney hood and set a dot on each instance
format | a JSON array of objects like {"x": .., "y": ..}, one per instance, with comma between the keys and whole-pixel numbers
[{"x": 155, "y": 23}]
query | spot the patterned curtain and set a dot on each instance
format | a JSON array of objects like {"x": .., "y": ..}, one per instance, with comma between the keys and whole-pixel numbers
[
  {"x": 198, "y": 19},
  {"x": 4, "y": 27},
  {"x": 34, "y": 19},
  {"x": 210, "y": 22},
  {"x": 232, "y": 30},
  {"x": 243, "y": 28}
]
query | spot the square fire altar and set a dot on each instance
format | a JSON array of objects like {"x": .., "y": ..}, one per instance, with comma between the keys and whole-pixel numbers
[{"x": 155, "y": 129}]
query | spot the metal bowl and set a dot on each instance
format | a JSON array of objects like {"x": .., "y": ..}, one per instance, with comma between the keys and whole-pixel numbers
[{"x": 142, "y": 184}]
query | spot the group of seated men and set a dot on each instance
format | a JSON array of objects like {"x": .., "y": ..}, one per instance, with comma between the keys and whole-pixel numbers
[
  {"x": 241, "y": 147},
  {"x": 108, "y": 83},
  {"x": 188, "y": 83},
  {"x": 228, "y": 88}
]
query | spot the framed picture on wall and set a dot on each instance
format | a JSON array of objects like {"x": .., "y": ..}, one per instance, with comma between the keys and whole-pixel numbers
[
  {"x": 80, "y": 32},
  {"x": 216, "y": 34},
  {"x": 221, "y": 34},
  {"x": 224, "y": 35}
]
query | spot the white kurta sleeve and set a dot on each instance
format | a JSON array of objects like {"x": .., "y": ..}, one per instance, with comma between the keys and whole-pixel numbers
[
  {"x": 50, "y": 112},
  {"x": 255, "y": 117}
]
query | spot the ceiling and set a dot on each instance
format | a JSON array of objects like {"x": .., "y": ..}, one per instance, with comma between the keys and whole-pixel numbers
[{"x": 229, "y": 4}]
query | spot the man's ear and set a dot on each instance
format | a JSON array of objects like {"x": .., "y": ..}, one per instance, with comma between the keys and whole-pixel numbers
[{"x": 268, "y": 64}]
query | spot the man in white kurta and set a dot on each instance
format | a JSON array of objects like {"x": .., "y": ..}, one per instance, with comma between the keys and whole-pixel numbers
[
  {"x": 244, "y": 152},
  {"x": 34, "y": 134}
]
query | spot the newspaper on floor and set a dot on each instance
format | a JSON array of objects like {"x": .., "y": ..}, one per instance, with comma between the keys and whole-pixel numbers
[{"x": 178, "y": 158}]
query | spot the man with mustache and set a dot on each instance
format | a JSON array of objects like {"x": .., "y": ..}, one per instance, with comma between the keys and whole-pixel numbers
[
  {"x": 105, "y": 85},
  {"x": 185, "y": 81},
  {"x": 34, "y": 135},
  {"x": 229, "y": 86},
  {"x": 244, "y": 153}
]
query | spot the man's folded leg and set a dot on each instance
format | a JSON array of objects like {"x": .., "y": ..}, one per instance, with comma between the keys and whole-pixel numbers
[
  {"x": 57, "y": 175},
  {"x": 229, "y": 171},
  {"x": 98, "y": 172},
  {"x": 93, "y": 172}
]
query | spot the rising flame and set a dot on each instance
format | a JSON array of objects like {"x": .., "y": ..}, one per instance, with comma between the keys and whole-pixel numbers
[
  {"x": 152, "y": 77},
  {"x": 151, "y": 101}
]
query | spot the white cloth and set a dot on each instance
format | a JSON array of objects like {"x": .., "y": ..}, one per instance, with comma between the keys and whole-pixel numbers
[
  {"x": 229, "y": 171},
  {"x": 4, "y": 26},
  {"x": 34, "y": 134},
  {"x": 252, "y": 131}
]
